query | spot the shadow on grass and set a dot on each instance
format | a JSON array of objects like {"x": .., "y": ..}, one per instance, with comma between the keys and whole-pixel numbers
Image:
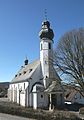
[{"x": 73, "y": 107}]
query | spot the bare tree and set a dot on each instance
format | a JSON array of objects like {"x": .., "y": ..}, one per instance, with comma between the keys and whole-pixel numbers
[{"x": 69, "y": 56}]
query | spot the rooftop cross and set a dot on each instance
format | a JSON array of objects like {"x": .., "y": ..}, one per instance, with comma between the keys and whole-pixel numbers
[
  {"x": 26, "y": 57},
  {"x": 45, "y": 14}
]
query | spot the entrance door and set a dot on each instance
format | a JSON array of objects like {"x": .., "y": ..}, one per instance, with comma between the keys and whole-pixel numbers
[{"x": 54, "y": 100}]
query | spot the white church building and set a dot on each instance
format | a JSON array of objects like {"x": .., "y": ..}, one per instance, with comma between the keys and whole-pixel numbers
[{"x": 37, "y": 84}]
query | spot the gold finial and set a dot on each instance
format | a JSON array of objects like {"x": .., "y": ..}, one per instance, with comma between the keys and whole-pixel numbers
[{"x": 45, "y": 14}]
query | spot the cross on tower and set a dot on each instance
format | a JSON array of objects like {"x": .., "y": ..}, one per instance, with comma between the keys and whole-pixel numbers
[{"x": 45, "y": 14}]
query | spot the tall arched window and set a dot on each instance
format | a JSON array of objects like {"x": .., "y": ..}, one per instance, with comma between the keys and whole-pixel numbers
[{"x": 49, "y": 45}]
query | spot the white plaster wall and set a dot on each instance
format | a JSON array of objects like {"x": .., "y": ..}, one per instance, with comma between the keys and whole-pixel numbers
[
  {"x": 42, "y": 102},
  {"x": 46, "y": 101},
  {"x": 45, "y": 54},
  {"x": 15, "y": 94},
  {"x": 14, "y": 88},
  {"x": 35, "y": 100},
  {"x": 22, "y": 98},
  {"x": 27, "y": 96},
  {"x": 36, "y": 76},
  {"x": 21, "y": 85},
  {"x": 13, "y": 91},
  {"x": 31, "y": 99},
  {"x": 10, "y": 93},
  {"x": 18, "y": 96}
]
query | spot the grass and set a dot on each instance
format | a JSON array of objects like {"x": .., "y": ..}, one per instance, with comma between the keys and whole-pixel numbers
[{"x": 14, "y": 109}]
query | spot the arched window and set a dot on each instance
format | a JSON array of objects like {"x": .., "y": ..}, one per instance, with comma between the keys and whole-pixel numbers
[
  {"x": 41, "y": 46},
  {"x": 41, "y": 96},
  {"x": 49, "y": 45}
]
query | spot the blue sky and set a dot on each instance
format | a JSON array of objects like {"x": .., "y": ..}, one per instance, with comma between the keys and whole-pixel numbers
[{"x": 20, "y": 23}]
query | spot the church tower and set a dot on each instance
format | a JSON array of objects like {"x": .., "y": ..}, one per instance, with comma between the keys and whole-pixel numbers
[{"x": 46, "y": 51}]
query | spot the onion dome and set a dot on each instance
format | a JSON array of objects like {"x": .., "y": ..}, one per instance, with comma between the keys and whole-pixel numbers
[
  {"x": 46, "y": 31},
  {"x": 26, "y": 62}
]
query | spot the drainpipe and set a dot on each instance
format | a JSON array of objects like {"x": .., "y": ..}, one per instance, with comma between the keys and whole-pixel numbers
[
  {"x": 19, "y": 94},
  {"x": 50, "y": 106}
]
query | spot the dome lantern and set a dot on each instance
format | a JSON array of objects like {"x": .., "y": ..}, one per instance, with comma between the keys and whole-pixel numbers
[{"x": 26, "y": 61}]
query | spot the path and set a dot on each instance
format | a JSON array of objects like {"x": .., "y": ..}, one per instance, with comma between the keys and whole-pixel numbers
[{"x": 12, "y": 117}]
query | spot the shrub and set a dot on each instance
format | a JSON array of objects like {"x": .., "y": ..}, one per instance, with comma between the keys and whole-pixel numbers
[{"x": 81, "y": 111}]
